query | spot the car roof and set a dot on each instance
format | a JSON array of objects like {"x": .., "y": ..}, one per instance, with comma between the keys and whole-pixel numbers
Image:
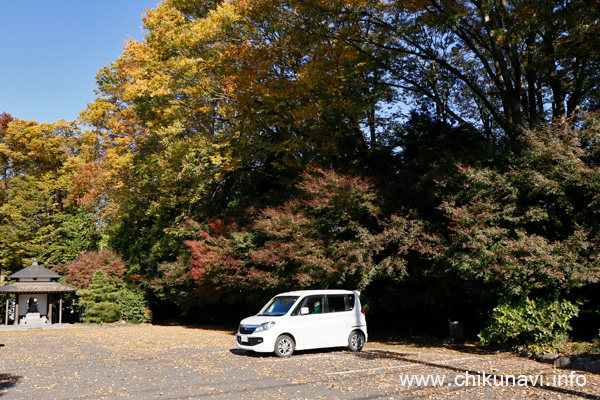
[{"x": 316, "y": 291}]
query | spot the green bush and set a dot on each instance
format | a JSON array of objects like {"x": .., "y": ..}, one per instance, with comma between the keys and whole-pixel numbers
[
  {"x": 526, "y": 323},
  {"x": 104, "y": 301},
  {"x": 133, "y": 306}
]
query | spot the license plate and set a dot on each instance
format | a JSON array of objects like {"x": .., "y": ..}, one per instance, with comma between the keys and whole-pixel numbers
[{"x": 244, "y": 338}]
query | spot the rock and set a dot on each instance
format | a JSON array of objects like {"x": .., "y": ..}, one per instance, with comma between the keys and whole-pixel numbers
[
  {"x": 593, "y": 367},
  {"x": 562, "y": 362},
  {"x": 537, "y": 355},
  {"x": 524, "y": 353},
  {"x": 579, "y": 363},
  {"x": 548, "y": 358}
]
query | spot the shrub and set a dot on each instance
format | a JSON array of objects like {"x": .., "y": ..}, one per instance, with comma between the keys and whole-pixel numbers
[
  {"x": 526, "y": 323},
  {"x": 133, "y": 305}
]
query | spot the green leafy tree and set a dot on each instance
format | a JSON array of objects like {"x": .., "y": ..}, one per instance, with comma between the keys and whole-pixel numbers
[
  {"x": 100, "y": 300},
  {"x": 155, "y": 144},
  {"x": 174, "y": 284},
  {"x": 5, "y": 119}
]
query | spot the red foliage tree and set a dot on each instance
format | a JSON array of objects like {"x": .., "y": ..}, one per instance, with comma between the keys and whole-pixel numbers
[
  {"x": 80, "y": 271},
  {"x": 333, "y": 234}
]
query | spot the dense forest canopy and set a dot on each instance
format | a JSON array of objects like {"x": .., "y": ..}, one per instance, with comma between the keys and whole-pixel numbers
[{"x": 440, "y": 153}]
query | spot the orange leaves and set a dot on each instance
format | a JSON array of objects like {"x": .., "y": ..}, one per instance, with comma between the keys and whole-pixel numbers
[{"x": 89, "y": 183}]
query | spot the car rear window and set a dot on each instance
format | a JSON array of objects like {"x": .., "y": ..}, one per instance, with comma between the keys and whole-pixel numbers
[
  {"x": 351, "y": 302},
  {"x": 337, "y": 303}
]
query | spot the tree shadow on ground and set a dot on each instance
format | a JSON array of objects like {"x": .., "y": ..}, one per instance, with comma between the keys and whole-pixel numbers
[
  {"x": 511, "y": 379},
  {"x": 7, "y": 381},
  {"x": 467, "y": 347},
  {"x": 221, "y": 328}
]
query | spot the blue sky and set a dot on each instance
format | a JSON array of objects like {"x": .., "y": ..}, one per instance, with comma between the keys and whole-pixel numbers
[{"x": 51, "y": 50}]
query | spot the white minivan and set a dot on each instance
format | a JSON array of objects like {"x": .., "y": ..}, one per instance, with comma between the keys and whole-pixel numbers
[{"x": 305, "y": 319}]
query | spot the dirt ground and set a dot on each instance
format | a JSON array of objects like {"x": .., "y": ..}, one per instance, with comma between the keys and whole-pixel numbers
[{"x": 178, "y": 362}]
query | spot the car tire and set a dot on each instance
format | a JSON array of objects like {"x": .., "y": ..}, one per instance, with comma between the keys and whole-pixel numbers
[
  {"x": 284, "y": 346},
  {"x": 356, "y": 341}
]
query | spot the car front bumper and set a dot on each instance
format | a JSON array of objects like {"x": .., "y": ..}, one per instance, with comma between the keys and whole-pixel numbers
[{"x": 263, "y": 343}]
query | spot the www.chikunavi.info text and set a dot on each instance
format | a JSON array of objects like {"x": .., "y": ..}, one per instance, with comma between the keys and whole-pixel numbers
[{"x": 483, "y": 379}]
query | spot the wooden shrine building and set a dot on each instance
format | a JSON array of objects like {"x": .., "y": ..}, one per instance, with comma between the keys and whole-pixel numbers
[{"x": 35, "y": 290}]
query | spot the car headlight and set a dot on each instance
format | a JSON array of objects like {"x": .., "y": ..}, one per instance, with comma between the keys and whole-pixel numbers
[{"x": 265, "y": 327}]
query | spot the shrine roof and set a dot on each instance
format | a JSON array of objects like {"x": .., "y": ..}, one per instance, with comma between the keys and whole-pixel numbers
[
  {"x": 36, "y": 287},
  {"x": 34, "y": 271}
]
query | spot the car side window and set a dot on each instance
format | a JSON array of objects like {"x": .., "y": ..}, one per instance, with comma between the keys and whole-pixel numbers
[
  {"x": 337, "y": 303},
  {"x": 313, "y": 303}
]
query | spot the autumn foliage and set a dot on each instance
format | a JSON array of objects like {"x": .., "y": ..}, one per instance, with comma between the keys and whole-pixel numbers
[
  {"x": 80, "y": 271},
  {"x": 435, "y": 155},
  {"x": 332, "y": 234}
]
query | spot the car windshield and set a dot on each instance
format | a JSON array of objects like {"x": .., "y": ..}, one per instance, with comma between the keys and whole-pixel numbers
[{"x": 279, "y": 305}]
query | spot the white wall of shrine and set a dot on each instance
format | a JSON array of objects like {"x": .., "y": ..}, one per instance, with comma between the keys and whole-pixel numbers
[{"x": 42, "y": 303}]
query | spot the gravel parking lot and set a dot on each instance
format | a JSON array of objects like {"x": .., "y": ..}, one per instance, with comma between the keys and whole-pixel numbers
[{"x": 175, "y": 362}]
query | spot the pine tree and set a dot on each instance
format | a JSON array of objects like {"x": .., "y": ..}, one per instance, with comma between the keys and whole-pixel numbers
[{"x": 100, "y": 300}]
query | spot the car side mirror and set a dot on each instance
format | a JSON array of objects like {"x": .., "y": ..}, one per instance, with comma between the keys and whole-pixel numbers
[{"x": 304, "y": 311}]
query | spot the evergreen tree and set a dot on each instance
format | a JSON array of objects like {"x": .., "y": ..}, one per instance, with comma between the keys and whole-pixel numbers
[{"x": 100, "y": 300}]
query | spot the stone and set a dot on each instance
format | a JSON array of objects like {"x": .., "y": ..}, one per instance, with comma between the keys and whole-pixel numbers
[
  {"x": 537, "y": 355},
  {"x": 34, "y": 319},
  {"x": 562, "y": 362},
  {"x": 593, "y": 367},
  {"x": 548, "y": 358},
  {"x": 579, "y": 363}
]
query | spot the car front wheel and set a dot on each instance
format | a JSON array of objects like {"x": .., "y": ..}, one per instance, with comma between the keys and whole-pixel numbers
[
  {"x": 356, "y": 341},
  {"x": 284, "y": 346}
]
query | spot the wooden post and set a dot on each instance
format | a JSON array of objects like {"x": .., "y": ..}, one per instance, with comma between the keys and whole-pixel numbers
[
  {"x": 17, "y": 311},
  {"x": 6, "y": 314},
  {"x": 60, "y": 311},
  {"x": 49, "y": 309}
]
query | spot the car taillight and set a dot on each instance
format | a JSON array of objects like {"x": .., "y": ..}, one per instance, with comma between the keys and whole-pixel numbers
[{"x": 362, "y": 310}]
